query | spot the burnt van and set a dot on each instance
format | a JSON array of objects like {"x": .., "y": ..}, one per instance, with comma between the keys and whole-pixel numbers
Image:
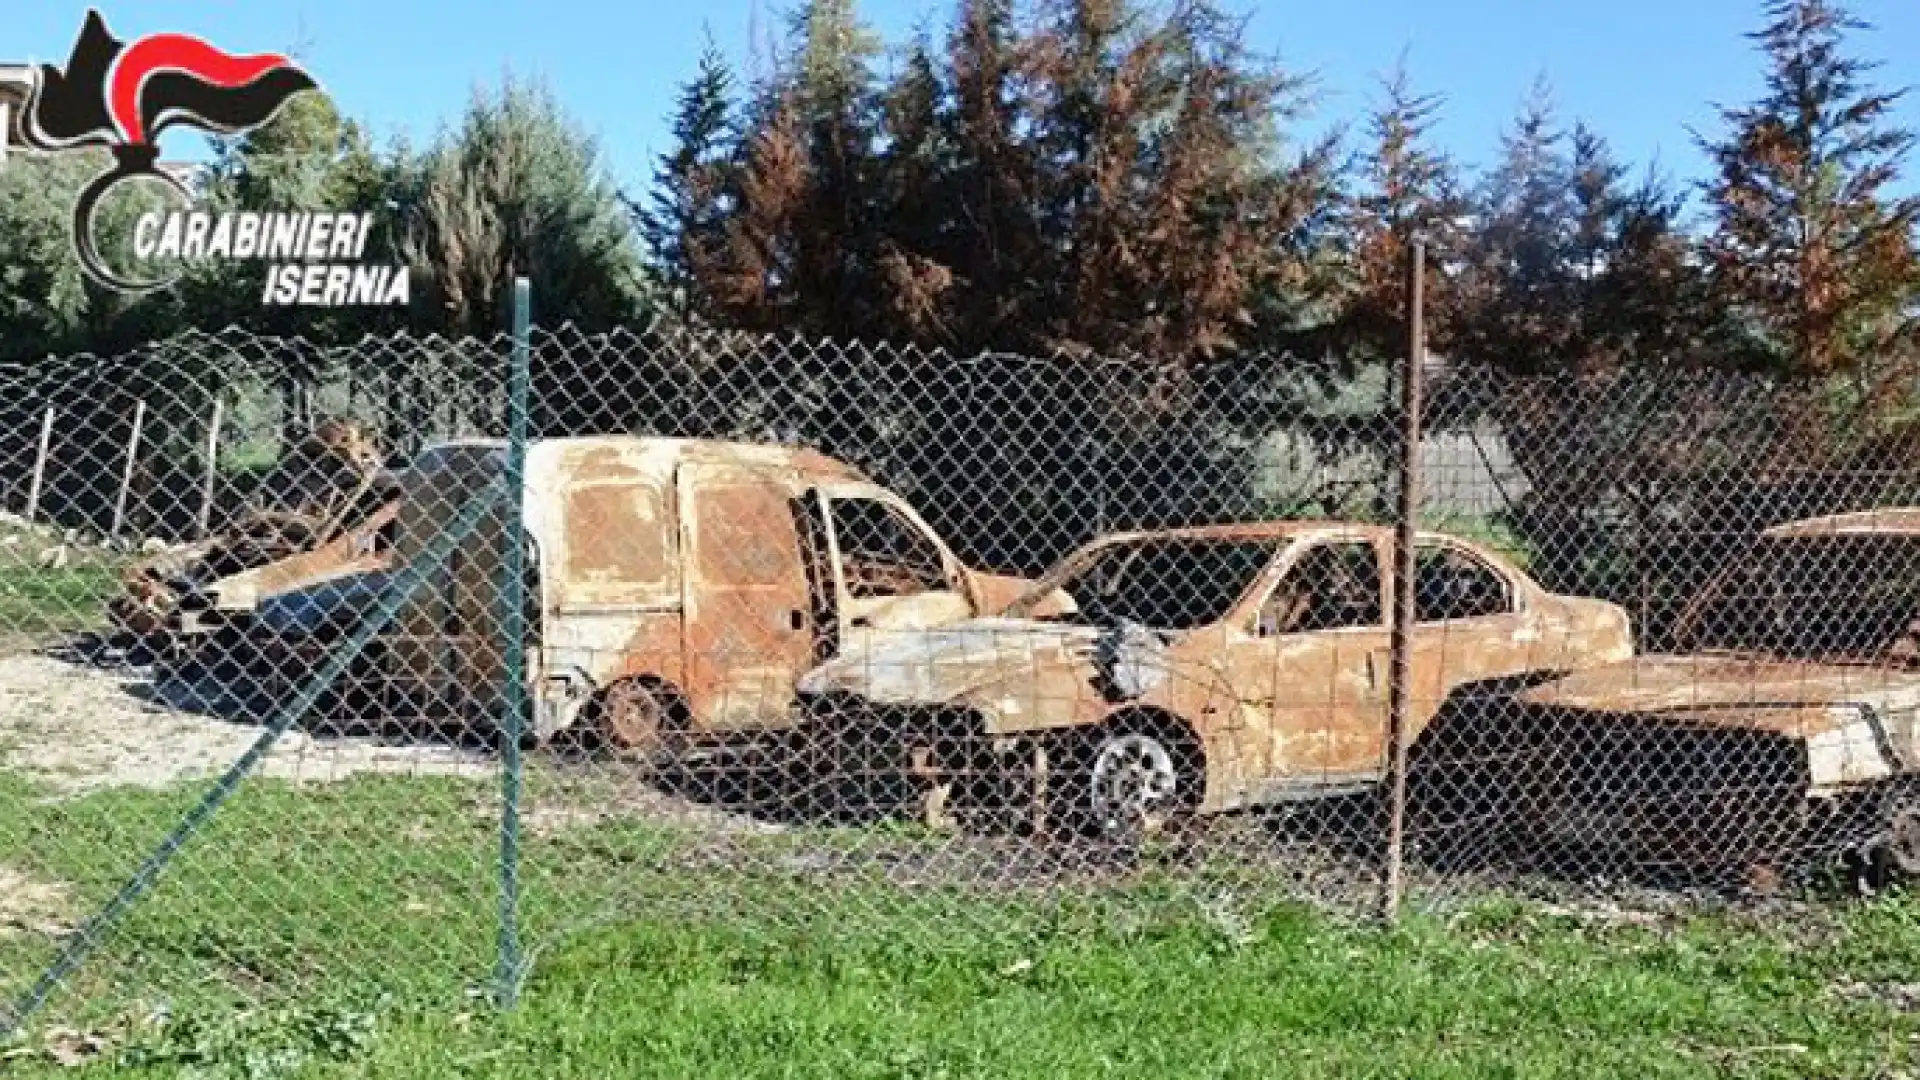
[{"x": 675, "y": 589}]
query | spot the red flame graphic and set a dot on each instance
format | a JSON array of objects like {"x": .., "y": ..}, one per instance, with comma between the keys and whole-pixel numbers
[{"x": 182, "y": 53}]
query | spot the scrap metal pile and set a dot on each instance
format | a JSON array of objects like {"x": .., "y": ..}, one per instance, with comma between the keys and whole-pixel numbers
[
  {"x": 1148, "y": 676},
  {"x": 324, "y": 510}
]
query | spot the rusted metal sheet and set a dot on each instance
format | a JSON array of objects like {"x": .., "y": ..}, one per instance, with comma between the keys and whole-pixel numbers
[
  {"x": 994, "y": 593},
  {"x": 1277, "y": 711},
  {"x": 1768, "y": 671},
  {"x": 322, "y": 510},
  {"x": 363, "y": 548},
  {"x": 1894, "y": 521},
  {"x": 1857, "y": 723},
  {"x": 1806, "y": 675},
  {"x": 747, "y": 610},
  {"x": 704, "y": 572}
]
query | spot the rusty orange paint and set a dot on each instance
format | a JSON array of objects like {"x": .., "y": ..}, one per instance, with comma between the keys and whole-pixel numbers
[
  {"x": 1277, "y": 713},
  {"x": 1783, "y": 716},
  {"x": 699, "y": 567}
]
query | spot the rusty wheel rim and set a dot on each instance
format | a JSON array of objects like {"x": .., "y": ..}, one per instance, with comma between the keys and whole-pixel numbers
[
  {"x": 631, "y": 719},
  {"x": 1903, "y": 839},
  {"x": 1135, "y": 785}
]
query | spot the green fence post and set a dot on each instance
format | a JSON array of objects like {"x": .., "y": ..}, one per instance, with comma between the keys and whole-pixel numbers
[
  {"x": 513, "y": 627},
  {"x": 96, "y": 929}
]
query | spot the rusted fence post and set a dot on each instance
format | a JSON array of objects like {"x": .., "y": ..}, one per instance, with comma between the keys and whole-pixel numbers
[
  {"x": 126, "y": 474},
  {"x": 40, "y": 466},
  {"x": 1399, "y": 686},
  {"x": 209, "y": 489}
]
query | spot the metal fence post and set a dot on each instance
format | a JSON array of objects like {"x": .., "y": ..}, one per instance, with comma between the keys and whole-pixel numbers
[
  {"x": 126, "y": 476},
  {"x": 210, "y": 488},
  {"x": 40, "y": 466},
  {"x": 513, "y": 628},
  {"x": 1400, "y": 677},
  {"x": 81, "y": 944}
]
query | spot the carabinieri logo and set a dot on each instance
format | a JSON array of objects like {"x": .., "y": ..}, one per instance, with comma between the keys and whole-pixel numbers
[{"x": 118, "y": 96}]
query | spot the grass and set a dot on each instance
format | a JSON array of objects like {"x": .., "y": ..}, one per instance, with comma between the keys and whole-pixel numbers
[
  {"x": 37, "y": 601},
  {"x": 346, "y": 930}
]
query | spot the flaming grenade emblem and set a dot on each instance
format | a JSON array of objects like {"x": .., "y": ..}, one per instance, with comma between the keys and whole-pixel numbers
[{"x": 120, "y": 97}]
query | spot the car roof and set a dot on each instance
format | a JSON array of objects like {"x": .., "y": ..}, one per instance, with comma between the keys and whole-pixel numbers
[
  {"x": 1892, "y": 521},
  {"x": 713, "y": 451},
  {"x": 1269, "y": 530}
]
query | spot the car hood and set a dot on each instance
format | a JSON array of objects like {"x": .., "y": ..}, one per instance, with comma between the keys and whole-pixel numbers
[
  {"x": 935, "y": 666},
  {"x": 336, "y": 602},
  {"x": 1788, "y": 696}
]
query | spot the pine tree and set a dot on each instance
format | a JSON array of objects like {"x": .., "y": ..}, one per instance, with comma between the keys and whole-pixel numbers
[
  {"x": 913, "y": 199},
  {"x": 1408, "y": 189},
  {"x": 753, "y": 282},
  {"x": 1632, "y": 292},
  {"x": 1809, "y": 247},
  {"x": 519, "y": 189},
  {"x": 994, "y": 238},
  {"x": 1102, "y": 182},
  {"x": 680, "y": 223},
  {"x": 836, "y": 244}
]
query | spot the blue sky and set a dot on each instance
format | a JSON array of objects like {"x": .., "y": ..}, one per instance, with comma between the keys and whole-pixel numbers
[{"x": 1641, "y": 71}]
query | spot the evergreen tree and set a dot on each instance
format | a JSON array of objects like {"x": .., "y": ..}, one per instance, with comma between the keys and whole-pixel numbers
[
  {"x": 517, "y": 189},
  {"x": 913, "y": 201},
  {"x": 1408, "y": 188},
  {"x": 1518, "y": 288},
  {"x": 680, "y": 223},
  {"x": 1809, "y": 245}
]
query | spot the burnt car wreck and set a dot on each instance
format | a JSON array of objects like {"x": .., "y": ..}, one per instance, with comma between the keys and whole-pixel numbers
[
  {"x": 1785, "y": 737},
  {"x": 1196, "y": 671},
  {"x": 326, "y": 511},
  {"x": 675, "y": 590}
]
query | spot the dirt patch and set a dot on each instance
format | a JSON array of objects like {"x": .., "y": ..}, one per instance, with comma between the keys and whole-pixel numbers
[
  {"x": 29, "y": 905},
  {"x": 80, "y": 728},
  {"x": 640, "y": 805}
]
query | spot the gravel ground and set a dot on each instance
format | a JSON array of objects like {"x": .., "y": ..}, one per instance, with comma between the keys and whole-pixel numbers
[{"x": 81, "y": 728}]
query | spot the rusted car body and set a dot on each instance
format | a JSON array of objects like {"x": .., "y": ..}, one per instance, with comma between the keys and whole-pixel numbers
[
  {"x": 218, "y": 614},
  {"x": 1790, "y": 731},
  {"x": 322, "y": 511},
  {"x": 676, "y": 588},
  {"x": 1201, "y": 669}
]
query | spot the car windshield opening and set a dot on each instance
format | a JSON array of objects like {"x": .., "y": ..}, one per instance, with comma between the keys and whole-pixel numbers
[
  {"x": 1164, "y": 583},
  {"x": 1814, "y": 597}
]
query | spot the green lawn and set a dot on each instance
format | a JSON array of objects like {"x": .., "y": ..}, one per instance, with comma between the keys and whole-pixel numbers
[
  {"x": 36, "y": 601},
  {"x": 345, "y": 930}
]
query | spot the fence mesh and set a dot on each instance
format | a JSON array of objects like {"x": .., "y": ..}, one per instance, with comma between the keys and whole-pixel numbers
[{"x": 823, "y": 635}]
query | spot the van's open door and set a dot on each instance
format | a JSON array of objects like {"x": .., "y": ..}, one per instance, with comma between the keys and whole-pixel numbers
[{"x": 890, "y": 571}]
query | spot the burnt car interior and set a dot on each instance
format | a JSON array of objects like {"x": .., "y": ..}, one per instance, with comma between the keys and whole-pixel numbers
[
  {"x": 882, "y": 553},
  {"x": 1332, "y": 586},
  {"x": 1834, "y": 598},
  {"x": 1167, "y": 584},
  {"x": 1451, "y": 584}
]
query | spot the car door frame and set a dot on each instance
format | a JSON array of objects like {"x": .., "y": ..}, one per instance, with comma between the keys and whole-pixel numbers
[
  {"x": 712, "y": 708},
  {"x": 1344, "y": 771},
  {"x": 1434, "y": 681},
  {"x": 852, "y": 614}
]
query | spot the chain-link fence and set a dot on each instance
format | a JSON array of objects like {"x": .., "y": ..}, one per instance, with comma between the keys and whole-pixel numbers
[{"x": 814, "y": 634}]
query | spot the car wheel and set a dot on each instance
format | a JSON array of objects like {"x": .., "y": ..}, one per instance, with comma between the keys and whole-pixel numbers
[
  {"x": 1135, "y": 783},
  {"x": 630, "y": 719}
]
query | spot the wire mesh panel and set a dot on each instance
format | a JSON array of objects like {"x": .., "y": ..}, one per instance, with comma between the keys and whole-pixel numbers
[
  {"x": 212, "y": 795},
  {"x": 810, "y": 635},
  {"x": 1754, "y": 534},
  {"x": 837, "y": 632}
]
